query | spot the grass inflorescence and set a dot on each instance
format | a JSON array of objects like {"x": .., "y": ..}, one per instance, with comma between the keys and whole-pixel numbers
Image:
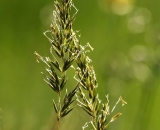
[{"x": 67, "y": 52}]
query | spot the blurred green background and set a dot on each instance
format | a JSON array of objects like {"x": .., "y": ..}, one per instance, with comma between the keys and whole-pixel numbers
[{"x": 125, "y": 35}]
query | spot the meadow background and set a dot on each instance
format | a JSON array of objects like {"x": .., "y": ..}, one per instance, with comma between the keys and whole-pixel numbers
[{"x": 125, "y": 35}]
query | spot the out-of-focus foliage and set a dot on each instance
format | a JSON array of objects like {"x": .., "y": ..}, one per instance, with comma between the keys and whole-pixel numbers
[{"x": 126, "y": 38}]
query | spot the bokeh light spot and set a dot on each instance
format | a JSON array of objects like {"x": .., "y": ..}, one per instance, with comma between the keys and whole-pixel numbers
[
  {"x": 121, "y": 7},
  {"x": 46, "y": 15},
  {"x": 141, "y": 71},
  {"x": 139, "y": 53},
  {"x": 138, "y": 20}
]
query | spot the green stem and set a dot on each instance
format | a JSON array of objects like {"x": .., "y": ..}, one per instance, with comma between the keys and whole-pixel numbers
[{"x": 59, "y": 112}]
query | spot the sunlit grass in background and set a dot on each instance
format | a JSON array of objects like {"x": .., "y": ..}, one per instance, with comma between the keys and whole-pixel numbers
[{"x": 126, "y": 38}]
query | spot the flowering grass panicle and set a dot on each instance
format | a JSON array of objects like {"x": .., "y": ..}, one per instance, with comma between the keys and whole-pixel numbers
[{"x": 67, "y": 52}]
